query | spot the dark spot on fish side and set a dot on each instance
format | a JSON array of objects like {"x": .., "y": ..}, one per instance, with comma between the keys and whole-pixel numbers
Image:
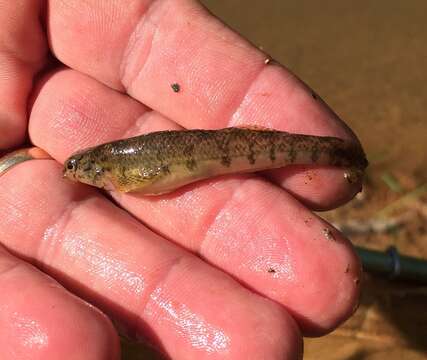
[
  {"x": 273, "y": 152},
  {"x": 226, "y": 161},
  {"x": 165, "y": 169},
  {"x": 188, "y": 150},
  {"x": 222, "y": 143},
  {"x": 315, "y": 153},
  {"x": 122, "y": 170},
  {"x": 292, "y": 154},
  {"x": 339, "y": 156},
  {"x": 191, "y": 164},
  {"x": 251, "y": 155},
  {"x": 251, "y": 158},
  {"x": 176, "y": 87}
]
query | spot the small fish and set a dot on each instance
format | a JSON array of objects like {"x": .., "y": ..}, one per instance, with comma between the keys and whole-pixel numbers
[{"x": 163, "y": 161}]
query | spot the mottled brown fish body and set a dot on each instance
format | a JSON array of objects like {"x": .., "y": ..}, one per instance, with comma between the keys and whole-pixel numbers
[{"x": 160, "y": 162}]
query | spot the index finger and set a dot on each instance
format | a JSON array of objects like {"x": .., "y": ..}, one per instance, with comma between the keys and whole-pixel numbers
[{"x": 144, "y": 47}]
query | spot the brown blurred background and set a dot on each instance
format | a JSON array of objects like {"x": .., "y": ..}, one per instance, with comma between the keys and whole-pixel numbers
[{"x": 368, "y": 61}]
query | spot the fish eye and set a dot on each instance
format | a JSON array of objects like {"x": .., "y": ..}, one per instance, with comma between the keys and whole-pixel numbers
[{"x": 72, "y": 164}]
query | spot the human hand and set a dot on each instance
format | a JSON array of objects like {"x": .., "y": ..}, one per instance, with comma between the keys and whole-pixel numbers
[{"x": 229, "y": 268}]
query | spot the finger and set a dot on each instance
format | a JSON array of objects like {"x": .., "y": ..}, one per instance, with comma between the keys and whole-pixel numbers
[
  {"x": 40, "y": 320},
  {"x": 244, "y": 225},
  {"x": 223, "y": 80},
  {"x": 22, "y": 53},
  {"x": 154, "y": 287}
]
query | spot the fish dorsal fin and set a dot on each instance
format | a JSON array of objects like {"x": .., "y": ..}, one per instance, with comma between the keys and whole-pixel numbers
[{"x": 254, "y": 127}]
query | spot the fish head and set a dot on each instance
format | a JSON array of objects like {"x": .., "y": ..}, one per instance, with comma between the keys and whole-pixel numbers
[{"x": 84, "y": 167}]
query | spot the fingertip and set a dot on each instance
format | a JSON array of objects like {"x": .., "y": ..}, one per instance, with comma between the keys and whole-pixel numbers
[
  {"x": 22, "y": 53},
  {"x": 232, "y": 322},
  {"x": 40, "y": 317},
  {"x": 293, "y": 347},
  {"x": 331, "y": 305},
  {"x": 319, "y": 188}
]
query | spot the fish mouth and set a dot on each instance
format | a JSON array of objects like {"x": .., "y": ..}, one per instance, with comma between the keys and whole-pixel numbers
[
  {"x": 67, "y": 175},
  {"x": 65, "y": 172}
]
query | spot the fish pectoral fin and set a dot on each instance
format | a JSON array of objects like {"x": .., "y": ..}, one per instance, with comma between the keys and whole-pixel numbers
[
  {"x": 108, "y": 185},
  {"x": 135, "y": 180}
]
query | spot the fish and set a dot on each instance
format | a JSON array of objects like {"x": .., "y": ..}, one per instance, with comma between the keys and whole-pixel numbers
[{"x": 163, "y": 161}]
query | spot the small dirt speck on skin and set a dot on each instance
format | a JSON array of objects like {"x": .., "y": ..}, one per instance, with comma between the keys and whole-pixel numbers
[
  {"x": 313, "y": 95},
  {"x": 347, "y": 269},
  {"x": 309, "y": 177},
  {"x": 351, "y": 177},
  {"x": 328, "y": 234},
  {"x": 271, "y": 270},
  {"x": 176, "y": 87}
]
